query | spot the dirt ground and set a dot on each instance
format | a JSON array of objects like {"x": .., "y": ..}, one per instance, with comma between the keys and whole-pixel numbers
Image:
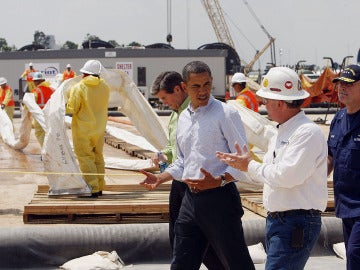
[{"x": 21, "y": 172}]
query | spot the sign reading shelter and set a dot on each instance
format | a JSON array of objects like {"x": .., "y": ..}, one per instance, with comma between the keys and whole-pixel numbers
[{"x": 128, "y": 67}]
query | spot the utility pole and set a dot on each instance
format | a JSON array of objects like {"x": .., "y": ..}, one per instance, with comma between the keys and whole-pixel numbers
[{"x": 169, "y": 36}]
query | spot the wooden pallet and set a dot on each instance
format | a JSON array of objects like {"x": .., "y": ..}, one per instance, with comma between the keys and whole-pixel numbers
[
  {"x": 253, "y": 202},
  {"x": 119, "y": 204},
  {"x": 132, "y": 150}
]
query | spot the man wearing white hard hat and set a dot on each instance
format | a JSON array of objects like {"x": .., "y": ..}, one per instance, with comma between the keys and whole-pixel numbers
[
  {"x": 27, "y": 74},
  {"x": 243, "y": 94},
  {"x": 42, "y": 93},
  {"x": 7, "y": 98},
  {"x": 68, "y": 73},
  {"x": 88, "y": 104},
  {"x": 294, "y": 172}
]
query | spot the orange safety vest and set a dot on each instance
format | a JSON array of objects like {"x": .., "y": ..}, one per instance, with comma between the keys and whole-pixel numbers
[
  {"x": 43, "y": 94},
  {"x": 250, "y": 99},
  {"x": 68, "y": 74},
  {"x": 3, "y": 94},
  {"x": 28, "y": 75}
]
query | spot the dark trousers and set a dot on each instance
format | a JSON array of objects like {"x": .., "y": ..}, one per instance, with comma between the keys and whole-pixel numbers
[
  {"x": 351, "y": 230},
  {"x": 211, "y": 217},
  {"x": 177, "y": 192}
]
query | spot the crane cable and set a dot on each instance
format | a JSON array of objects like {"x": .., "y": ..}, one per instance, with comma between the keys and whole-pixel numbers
[
  {"x": 235, "y": 25},
  {"x": 273, "y": 56},
  {"x": 257, "y": 19}
]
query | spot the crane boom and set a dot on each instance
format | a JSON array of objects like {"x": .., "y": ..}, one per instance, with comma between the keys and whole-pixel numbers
[
  {"x": 249, "y": 66},
  {"x": 222, "y": 32},
  {"x": 215, "y": 14}
]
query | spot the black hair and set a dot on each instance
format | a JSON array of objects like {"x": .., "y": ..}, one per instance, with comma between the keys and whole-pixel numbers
[
  {"x": 195, "y": 67},
  {"x": 166, "y": 81}
]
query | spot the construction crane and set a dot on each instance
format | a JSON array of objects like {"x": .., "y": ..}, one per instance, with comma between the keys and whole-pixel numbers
[
  {"x": 222, "y": 32},
  {"x": 250, "y": 65},
  {"x": 271, "y": 42},
  {"x": 216, "y": 16}
]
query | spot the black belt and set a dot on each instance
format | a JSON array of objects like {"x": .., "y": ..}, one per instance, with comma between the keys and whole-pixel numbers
[
  {"x": 295, "y": 212},
  {"x": 197, "y": 191}
]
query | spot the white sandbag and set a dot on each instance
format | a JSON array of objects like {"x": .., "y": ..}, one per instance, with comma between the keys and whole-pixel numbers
[
  {"x": 100, "y": 260},
  {"x": 258, "y": 129},
  {"x": 128, "y": 164},
  {"x": 339, "y": 249},
  {"x": 257, "y": 253}
]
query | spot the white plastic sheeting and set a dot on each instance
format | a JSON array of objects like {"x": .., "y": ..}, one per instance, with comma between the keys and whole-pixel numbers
[
  {"x": 7, "y": 132},
  {"x": 128, "y": 164},
  {"x": 34, "y": 109},
  {"x": 57, "y": 153},
  {"x": 7, "y": 128},
  {"x": 131, "y": 138},
  {"x": 258, "y": 129},
  {"x": 65, "y": 177},
  {"x": 134, "y": 105}
]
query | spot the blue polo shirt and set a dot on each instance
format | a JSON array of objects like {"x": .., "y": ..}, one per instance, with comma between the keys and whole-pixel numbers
[{"x": 344, "y": 147}]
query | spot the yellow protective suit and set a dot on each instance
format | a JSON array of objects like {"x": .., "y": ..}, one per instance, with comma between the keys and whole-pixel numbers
[{"x": 88, "y": 103}]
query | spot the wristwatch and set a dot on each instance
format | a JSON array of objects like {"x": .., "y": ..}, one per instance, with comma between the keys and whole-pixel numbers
[{"x": 223, "y": 180}]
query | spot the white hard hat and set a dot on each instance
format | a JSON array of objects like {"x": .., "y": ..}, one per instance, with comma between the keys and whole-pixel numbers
[
  {"x": 31, "y": 64},
  {"x": 37, "y": 76},
  {"x": 68, "y": 66},
  {"x": 2, "y": 80},
  {"x": 92, "y": 67},
  {"x": 238, "y": 78},
  {"x": 282, "y": 83}
]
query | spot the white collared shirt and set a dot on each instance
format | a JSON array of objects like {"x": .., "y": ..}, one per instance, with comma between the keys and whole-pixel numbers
[
  {"x": 202, "y": 132},
  {"x": 294, "y": 170}
]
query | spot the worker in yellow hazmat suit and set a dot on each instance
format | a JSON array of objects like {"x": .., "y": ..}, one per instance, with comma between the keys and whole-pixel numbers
[{"x": 88, "y": 103}]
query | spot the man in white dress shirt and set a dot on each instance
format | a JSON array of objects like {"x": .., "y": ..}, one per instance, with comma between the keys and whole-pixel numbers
[{"x": 294, "y": 172}]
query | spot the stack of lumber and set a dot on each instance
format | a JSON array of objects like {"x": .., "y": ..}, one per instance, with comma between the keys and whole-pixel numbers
[
  {"x": 253, "y": 202},
  {"x": 118, "y": 204}
]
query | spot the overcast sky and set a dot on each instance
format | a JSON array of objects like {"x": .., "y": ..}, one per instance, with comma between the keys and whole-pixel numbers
[{"x": 304, "y": 29}]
